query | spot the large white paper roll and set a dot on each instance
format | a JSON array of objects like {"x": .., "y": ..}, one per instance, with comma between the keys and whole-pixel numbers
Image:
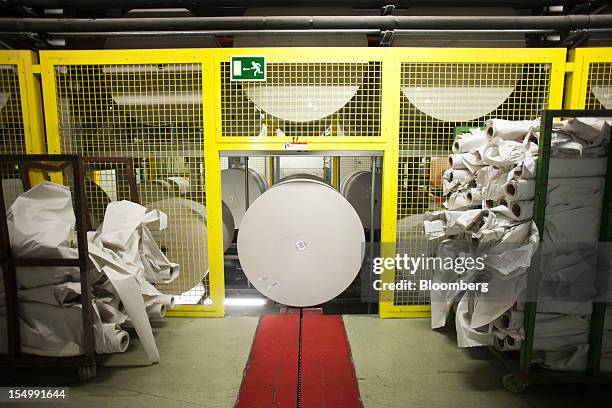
[
  {"x": 357, "y": 189},
  {"x": 301, "y": 243},
  {"x": 232, "y": 183},
  {"x": 184, "y": 241},
  {"x": 154, "y": 190}
]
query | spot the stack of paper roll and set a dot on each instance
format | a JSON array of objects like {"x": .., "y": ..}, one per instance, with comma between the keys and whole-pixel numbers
[{"x": 491, "y": 185}]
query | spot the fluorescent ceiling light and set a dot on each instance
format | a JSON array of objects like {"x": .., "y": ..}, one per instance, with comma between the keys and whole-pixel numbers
[{"x": 245, "y": 301}]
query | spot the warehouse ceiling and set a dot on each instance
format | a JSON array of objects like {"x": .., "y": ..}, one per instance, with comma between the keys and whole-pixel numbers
[{"x": 86, "y": 24}]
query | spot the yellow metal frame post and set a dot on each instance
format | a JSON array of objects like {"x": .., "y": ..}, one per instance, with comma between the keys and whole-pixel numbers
[
  {"x": 580, "y": 61},
  {"x": 31, "y": 102}
]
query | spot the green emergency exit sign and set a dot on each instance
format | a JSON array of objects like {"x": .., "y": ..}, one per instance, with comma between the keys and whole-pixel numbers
[{"x": 248, "y": 68}]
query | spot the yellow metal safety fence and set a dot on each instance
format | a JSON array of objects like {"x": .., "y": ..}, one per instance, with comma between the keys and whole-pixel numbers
[{"x": 173, "y": 112}]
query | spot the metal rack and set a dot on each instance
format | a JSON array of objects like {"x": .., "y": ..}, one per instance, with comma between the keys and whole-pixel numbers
[
  {"x": 522, "y": 371},
  {"x": 86, "y": 363}
]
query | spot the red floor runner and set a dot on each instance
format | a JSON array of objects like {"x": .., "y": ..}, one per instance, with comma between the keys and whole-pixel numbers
[
  {"x": 271, "y": 372},
  {"x": 328, "y": 377}
]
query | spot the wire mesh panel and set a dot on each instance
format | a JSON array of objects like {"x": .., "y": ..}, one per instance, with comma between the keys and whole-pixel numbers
[
  {"x": 350, "y": 165},
  {"x": 304, "y": 99},
  {"x": 11, "y": 113},
  {"x": 599, "y": 86},
  {"x": 12, "y": 133},
  {"x": 151, "y": 115},
  {"x": 437, "y": 99}
]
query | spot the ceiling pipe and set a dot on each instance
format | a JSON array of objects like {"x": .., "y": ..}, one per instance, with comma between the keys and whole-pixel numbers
[
  {"x": 567, "y": 23},
  {"x": 282, "y": 3}
]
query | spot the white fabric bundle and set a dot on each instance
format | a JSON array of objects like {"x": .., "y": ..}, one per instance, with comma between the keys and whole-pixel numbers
[
  {"x": 470, "y": 142},
  {"x": 60, "y": 294},
  {"x": 547, "y": 324},
  {"x": 504, "y": 153},
  {"x": 459, "y": 201},
  {"x": 565, "y": 167},
  {"x": 41, "y": 223},
  {"x": 474, "y": 197},
  {"x": 469, "y": 161},
  {"x": 467, "y": 335},
  {"x": 504, "y": 342},
  {"x": 453, "y": 179},
  {"x": 511, "y": 255},
  {"x": 50, "y": 330},
  {"x": 156, "y": 311},
  {"x": 509, "y": 129},
  {"x": 517, "y": 190},
  {"x": 522, "y": 210},
  {"x": 492, "y": 181},
  {"x": 440, "y": 223}
]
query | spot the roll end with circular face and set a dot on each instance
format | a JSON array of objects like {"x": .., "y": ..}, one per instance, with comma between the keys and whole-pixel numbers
[{"x": 301, "y": 243}]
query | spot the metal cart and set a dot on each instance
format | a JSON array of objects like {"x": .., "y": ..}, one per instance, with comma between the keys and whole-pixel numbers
[
  {"x": 522, "y": 371},
  {"x": 48, "y": 164}
]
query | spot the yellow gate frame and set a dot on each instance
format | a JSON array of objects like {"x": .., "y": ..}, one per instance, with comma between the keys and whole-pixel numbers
[
  {"x": 215, "y": 143},
  {"x": 31, "y": 99},
  {"x": 579, "y": 63}
]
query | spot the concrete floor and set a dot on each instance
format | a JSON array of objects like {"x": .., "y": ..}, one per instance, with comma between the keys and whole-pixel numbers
[
  {"x": 399, "y": 363},
  {"x": 403, "y": 363},
  {"x": 202, "y": 361}
]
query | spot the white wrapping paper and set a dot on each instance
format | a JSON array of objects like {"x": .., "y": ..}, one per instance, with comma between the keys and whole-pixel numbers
[
  {"x": 50, "y": 330},
  {"x": 504, "y": 153},
  {"x": 467, "y": 335}
]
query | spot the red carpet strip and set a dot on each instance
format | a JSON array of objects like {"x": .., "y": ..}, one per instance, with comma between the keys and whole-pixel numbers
[
  {"x": 270, "y": 378},
  {"x": 327, "y": 373}
]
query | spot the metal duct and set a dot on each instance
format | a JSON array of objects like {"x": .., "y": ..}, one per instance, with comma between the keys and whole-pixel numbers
[
  {"x": 567, "y": 22},
  {"x": 279, "y": 3}
]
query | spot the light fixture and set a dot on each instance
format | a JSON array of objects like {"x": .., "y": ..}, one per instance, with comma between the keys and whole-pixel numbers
[{"x": 244, "y": 301}]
